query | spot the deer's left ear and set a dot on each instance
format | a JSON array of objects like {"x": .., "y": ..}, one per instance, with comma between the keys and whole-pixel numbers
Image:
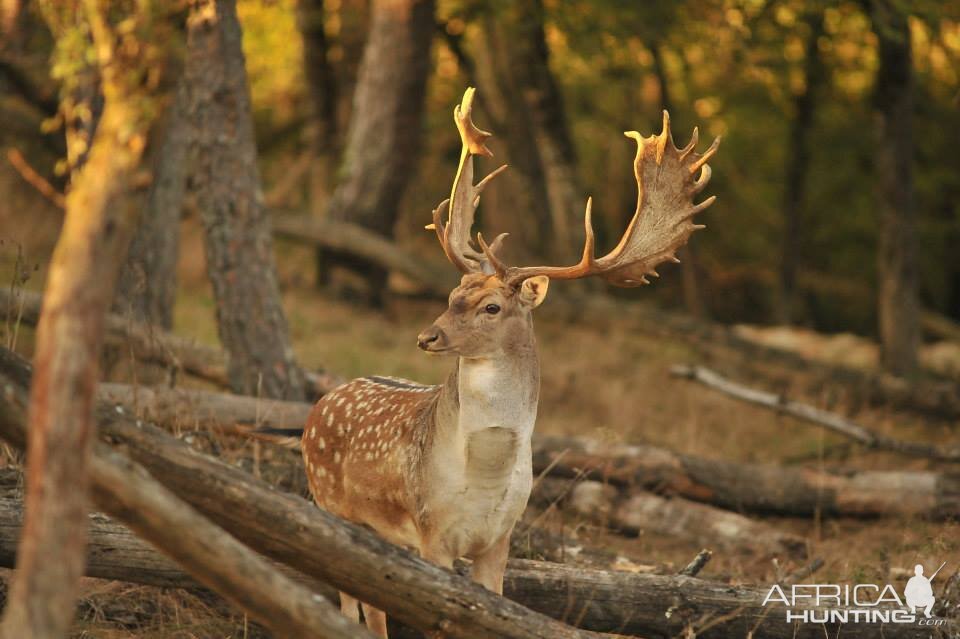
[{"x": 534, "y": 290}]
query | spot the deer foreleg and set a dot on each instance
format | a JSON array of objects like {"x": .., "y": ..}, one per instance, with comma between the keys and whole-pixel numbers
[{"x": 489, "y": 567}]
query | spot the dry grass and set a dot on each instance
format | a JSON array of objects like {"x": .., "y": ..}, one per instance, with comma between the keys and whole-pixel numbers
[{"x": 605, "y": 380}]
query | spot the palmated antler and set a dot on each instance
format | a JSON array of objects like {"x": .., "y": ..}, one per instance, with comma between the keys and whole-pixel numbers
[
  {"x": 667, "y": 182},
  {"x": 454, "y": 235}
]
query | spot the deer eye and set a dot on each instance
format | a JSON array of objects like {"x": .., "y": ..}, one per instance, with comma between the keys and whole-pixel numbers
[{"x": 492, "y": 309}]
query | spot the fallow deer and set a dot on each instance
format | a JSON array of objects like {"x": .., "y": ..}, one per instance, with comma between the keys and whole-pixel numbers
[{"x": 446, "y": 470}]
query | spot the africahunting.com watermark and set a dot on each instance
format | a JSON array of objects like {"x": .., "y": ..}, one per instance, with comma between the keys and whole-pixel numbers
[{"x": 859, "y": 603}]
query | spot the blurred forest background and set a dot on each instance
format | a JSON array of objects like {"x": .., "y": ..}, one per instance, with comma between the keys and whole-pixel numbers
[
  {"x": 838, "y": 170},
  {"x": 283, "y": 157}
]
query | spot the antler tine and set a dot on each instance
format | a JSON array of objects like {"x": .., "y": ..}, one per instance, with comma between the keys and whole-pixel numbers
[
  {"x": 490, "y": 253},
  {"x": 694, "y": 139},
  {"x": 662, "y": 222},
  {"x": 464, "y": 198}
]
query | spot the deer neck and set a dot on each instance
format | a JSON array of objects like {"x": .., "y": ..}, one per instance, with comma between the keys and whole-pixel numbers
[
  {"x": 498, "y": 392},
  {"x": 485, "y": 419}
]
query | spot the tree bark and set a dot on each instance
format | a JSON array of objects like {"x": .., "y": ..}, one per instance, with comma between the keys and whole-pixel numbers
[
  {"x": 148, "y": 282},
  {"x": 83, "y": 273},
  {"x": 383, "y": 138},
  {"x": 611, "y": 601},
  {"x": 797, "y": 168},
  {"x": 226, "y": 180},
  {"x": 898, "y": 304}
]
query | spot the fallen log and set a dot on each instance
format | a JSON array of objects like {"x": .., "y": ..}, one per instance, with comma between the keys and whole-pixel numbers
[
  {"x": 343, "y": 237},
  {"x": 293, "y": 531},
  {"x": 679, "y": 606},
  {"x": 617, "y": 602},
  {"x": 153, "y": 345},
  {"x": 753, "y": 487},
  {"x": 172, "y": 407},
  {"x": 636, "y": 511},
  {"x": 214, "y": 558},
  {"x": 825, "y": 419},
  {"x": 734, "y": 486}
]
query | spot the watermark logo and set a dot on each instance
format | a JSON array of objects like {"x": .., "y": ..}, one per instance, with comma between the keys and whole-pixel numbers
[
  {"x": 919, "y": 592},
  {"x": 860, "y": 603}
]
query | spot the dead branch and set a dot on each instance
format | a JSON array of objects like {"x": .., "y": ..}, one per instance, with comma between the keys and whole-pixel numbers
[
  {"x": 825, "y": 419},
  {"x": 619, "y": 602},
  {"x": 636, "y": 511},
  {"x": 34, "y": 179},
  {"x": 694, "y": 567},
  {"x": 344, "y": 237},
  {"x": 153, "y": 345},
  {"x": 753, "y": 487},
  {"x": 928, "y": 396},
  {"x": 294, "y": 532}
]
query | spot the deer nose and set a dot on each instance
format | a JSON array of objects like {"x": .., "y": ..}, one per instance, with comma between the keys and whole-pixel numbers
[{"x": 428, "y": 337}]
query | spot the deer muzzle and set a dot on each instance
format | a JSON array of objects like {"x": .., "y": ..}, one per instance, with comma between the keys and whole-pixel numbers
[{"x": 432, "y": 340}]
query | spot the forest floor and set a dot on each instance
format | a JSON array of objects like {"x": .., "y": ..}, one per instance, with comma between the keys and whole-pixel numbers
[{"x": 603, "y": 380}]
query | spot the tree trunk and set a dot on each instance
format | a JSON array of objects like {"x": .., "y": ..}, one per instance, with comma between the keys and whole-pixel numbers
[
  {"x": 520, "y": 94},
  {"x": 225, "y": 178},
  {"x": 83, "y": 273},
  {"x": 531, "y": 61},
  {"x": 898, "y": 304},
  {"x": 383, "y": 138},
  {"x": 798, "y": 166},
  {"x": 11, "y": 17},
  {"x": 147, "y": 287},
  {"x": 322, "y": 87}
]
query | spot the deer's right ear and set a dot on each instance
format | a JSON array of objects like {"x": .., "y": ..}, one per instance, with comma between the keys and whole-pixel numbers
[{"x": 534, "y": 290}]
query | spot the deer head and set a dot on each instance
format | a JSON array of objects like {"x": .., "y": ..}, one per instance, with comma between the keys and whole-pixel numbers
[{"x": 495, "y": 300}]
